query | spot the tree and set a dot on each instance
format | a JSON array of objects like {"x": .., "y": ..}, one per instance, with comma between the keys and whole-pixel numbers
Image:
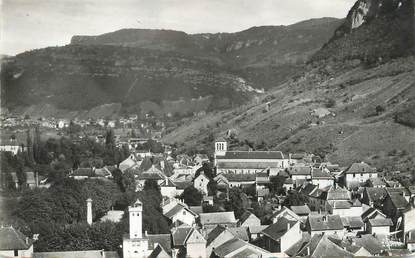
[
  {"x": 192, "y": 196},
  {"x": 379, "y": 109},
  {"x": 238, "y": 202},
  {"x": 207, "y": 169},
  {"x": 277, "y": 184}
]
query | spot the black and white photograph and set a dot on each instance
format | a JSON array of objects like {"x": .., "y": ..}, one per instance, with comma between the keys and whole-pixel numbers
[{"x": 207, "y": 128}]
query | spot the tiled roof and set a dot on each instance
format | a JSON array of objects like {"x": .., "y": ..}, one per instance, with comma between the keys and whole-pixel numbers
[
  {"x": 161, "y": 239},
  {"x": 325, "y": 222},
  {"x": 370, "y": 243},
  {"x": 150, "y": 176},
  {"x": 398, "y": 200},
  {"x": 359, "y": 168},
  {"x": 183, "y": 185},
  {"x": 13, "y": 239},
  {"x": 239, "y": 232},
  {"x": 375, "y": 194},
  {"x": 245, "y": 165},
  {"x": 212, "y": 235},
  {"x": 84, "y": 172},
  {"x": 278, "y": 229},
  {"x": 295, "y": 249},
  {"x": 322, "y": 246},
  {"x": 180, "y": 234},
  {"x": 176, "y": 209},
  {"x": 352, "y": 222},
  {"x": 236, "y": 244},
  {"x": 317, "y": 173},
  {"x": 380, "y": 222},
  {"x": 217, "y": 218},
  {"x": 287, "y": 213},
  {"x": 304, "y": 171},
  {"x": 336, "y": 193},
  {"x": 252, "y": 155},
  {"x": 257, "y": 229},
  {"x": 240, "y": 177},
  {"x": 301, "y": 210},
  {"x": 340, "y": 204}
]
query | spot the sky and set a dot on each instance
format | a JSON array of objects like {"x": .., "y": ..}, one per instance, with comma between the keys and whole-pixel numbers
[{"x": 31, "y": 24}]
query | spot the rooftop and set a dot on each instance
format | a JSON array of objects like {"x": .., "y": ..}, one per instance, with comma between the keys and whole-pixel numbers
[{"x": 252, "y": 155}]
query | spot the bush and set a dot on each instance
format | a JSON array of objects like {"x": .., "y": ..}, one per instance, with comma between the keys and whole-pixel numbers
[
  {"x": 380, "y": 109},
  {"x": 330, "y": 103}
]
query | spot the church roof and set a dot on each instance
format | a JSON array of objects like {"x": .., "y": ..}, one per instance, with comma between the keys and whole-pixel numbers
[{"x": 252, "y": 155}]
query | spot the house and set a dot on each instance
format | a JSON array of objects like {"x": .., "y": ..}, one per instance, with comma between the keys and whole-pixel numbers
[
  {"x": 299, "y": 174},
  {"x": 280, "y": 236},
  {"x": 408, "y": 221},
  {"x": 325, "y": 224},
  {"x": 302, "y": 210},
  {"x": 14, "y": 244},
  {"x": 246, "y": 162},
  {"x": 168, "y": 188},
  {"x": 357, "y": 174},
  {"x": 132, "y": 162},
  {"x": 321, "y": 177},
  {"x": 376, "y": 223},
  {"x": 216, "y": 237},
  {"x": 196, "y": 244},
  {"x": 285, "y": 213},
  {"x": 238, "y": 248},
  {"x": 211, "y": 220},
  {"x": 82, "y": 173},
  {"x": 208, "y": 200},
  {"x": 188, "y": 241},
  {"x": 180, "y": 214},
  {"x": 201, "y": 183},
  {"x": 321, "y": 245},
  {"x": 353, "y": 224},
  {"x": 373, "y": 196},
  {"x": 394, "y": 205},
  {"x": 248, "y": 219},
  {"x": 235, "y": 180}
]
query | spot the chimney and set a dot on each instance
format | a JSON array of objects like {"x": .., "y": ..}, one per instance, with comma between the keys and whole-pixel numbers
[
  {"x": 308, "y": 250},
  {"x": 288, "y": 226},
  {"x": 324, "y": 218},
  {"x": 27, "y": 240},
  {"x": 89, "y": 211},
  {"x": 37, "y": 179}
]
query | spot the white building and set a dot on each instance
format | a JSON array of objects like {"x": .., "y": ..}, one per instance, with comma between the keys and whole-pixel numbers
[
  {"x": 247, "y": 162},
  {"x": 14, "y": 149},
  {"x": 201, "y": 183},
  {"x": 357, "y": 174}
]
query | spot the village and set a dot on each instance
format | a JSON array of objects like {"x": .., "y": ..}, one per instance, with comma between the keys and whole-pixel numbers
[{"x": 282, "y": 205}]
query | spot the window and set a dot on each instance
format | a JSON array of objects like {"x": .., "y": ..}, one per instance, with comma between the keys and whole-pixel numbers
[
  {"x": 16, "y": 252},
  {"x": 184, "y": 212},
  {"x": 354, "y": 175},
  {"x": 361, "y": 174}
]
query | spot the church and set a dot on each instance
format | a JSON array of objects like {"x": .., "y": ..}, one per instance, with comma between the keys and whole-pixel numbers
[{"x": 247, "y": 162}]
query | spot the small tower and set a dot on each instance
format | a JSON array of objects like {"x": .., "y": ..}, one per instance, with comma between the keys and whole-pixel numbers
[
  {"x": 136, "y": 226},
  {"x": 89, "y": 211},
  {"x": 220, "y": 147}
]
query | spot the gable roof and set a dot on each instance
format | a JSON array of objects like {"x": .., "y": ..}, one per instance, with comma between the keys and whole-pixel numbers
[
  {"x": 217, "y": 218},
  {"x": 278, "y": 229},
  {"x": 286, "y": 213},
  {"x": 159, "y": 252},
  {"x": 161, "y": 239},
  {"x": 176, "y": 209},
  {"x": 336, "y": 193},
  {"x": 352, "y": 222},
  {"x": 322, "y": 246},
  {"x": 362, "y": 167},
  {"x": 370, "y": 243},
  {"x": 180, "y": 235},
  {"x": 13, "y": 239},
  {"x": 214, "y": 233},
  {"x": 297, "y": 171},
  {"x": 375, "y": 194},
  {"x": 236, "y": 244},
  {"x": 252, "y": 155},
  {"x": 317, "y": 173},
  {"x": 398, "y": 200},
  {"x": 302, "y": 209},
  {"x": 195, "y": 237},
  {"x": 245, "y": 216},
  {"x": 325, "y": 222},
  {"x": 239, "y": 232}
]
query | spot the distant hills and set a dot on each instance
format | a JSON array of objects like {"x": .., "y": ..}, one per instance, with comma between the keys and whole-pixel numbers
[{"x": 160, "y": 70}]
